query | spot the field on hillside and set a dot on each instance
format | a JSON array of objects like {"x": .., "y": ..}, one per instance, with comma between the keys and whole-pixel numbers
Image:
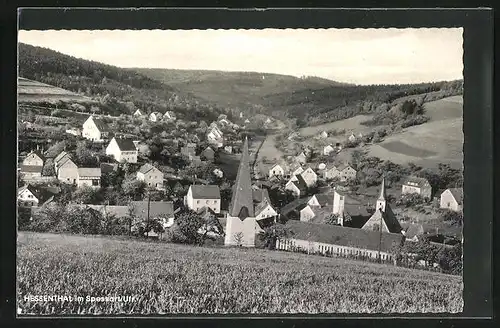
[
  {"x": 438, "y": 141},
  {"x": 34, "y": 91},
  {"x": 168, "y": 278}
]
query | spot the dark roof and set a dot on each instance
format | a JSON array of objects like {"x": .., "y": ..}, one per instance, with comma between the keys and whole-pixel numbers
[
  {"x": 156, "y": 209},
  {"x": 125, "y": 144},
  {"x": 458, "y": 194},
  {"x": 420, "y": 182},
  {"x": 103, "y": 127},
  {"x": 414, "y": 230},
  {"x": 324, "y": 199},
  {"x": 205, "y": 191},
  {"x": 242, "y": 192},
  {"x": 43, "y": 194},
  {"x": 89, "y": 172},
  {"x": 344, "y": 236},
  {"x": 293, "y": 205},
  {"x": 31, "y": 168},
  {"x": 389, "y": 218},
  {"x": 300, "y": 183},
  {"x": 108, "y": 167},
  {"x": 208, "y": 150},
  {"x": 260, "y": 195},
  {"x": 356, "y": 210}
]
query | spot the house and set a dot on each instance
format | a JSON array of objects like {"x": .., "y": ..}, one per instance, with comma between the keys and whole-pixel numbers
[
  {"x": 247, "y": 121},
  {"x": 169, "y": 116},
  {"x": 215, "y": 136},
  {"x": 152, "y": 176},
  {"x": 74, "y": 132},
  {"x": 199, "y": 196},
  {"x": 301, "y": 158},
  {"x": 296, "y": 185},
  {"x": 416, "y": 185},
  {"x": 346, "y": 172},
  {"x": 352, "y": 137},
  {"x": 413, "y": 232},
  {"x": 262, "y": 205},
  {"x": 315, "y": 214},
  {"x": 339, "y": 241},
  {"x": 321, "y": 200},
  {"x": 35, "y": 158},
  {"x": 383, "y": 216},
  {"x": 327, "y": 150},
  {"x": 248, "y": 210},
  {"x": 155, "y": 116},
  {"x": 123, "y": 150},
  {"x": 321, "y": 166},
  {"x": 310, "y": 177},
  {"x": 208, "y": 154},
  {"x": 66, "y": 171},
  {"x": 30, "y": 196},
  {"x": 323, "y": 135},
  {"x": 218, "y": 173},
  {"x": 296, "y": 169},
  {"x": 58, "y": 160},
  {"x": 89, "y": 177},
  {"x": 228, "y": 149},
  {"x": 452, "y": 199},
  {"x": 108, "y": 167},
  {"x": 277, "y": 171},
  {"x": 95, "y": 129},
  {"x": 138, "y": 113}
]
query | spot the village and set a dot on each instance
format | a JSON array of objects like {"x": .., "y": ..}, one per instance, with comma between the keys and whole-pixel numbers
[{"x": 301, "y": 203}]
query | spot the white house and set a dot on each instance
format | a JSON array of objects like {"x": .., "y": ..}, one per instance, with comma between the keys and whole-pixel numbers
[
  {"x": 347, "y": 172},
  {"x": 301, "y": 158},
  {"x": 418, "y": 186},
  {"x": 152, "y": 176},
  {"x": 452, "y": 199},
  {"x": 323, "y": 135},
  {"x": 218, "y": 173},
  {"x": 155, "y": 116},
  {"x": 169, "y": 115},
  {"x": 123, "y": 150},
  {"x": 296, "y": 185},
  {"x": 296, "y": 170},
  {"x": 200, "y": 196},
  {"x": 310, "y": 177},
  {"x": 352, "y": 137},
  {"x": 89, "y": 177},
  {"x": 94, "y": 129},
  {"x": 215, "y": 136},
  {"x": 138, "y": 113},
  {"x": 327, "y": 150},
  {"x": 66, "y": 171},
  {"x": 30, "y": 196},
  {"x": 277, "y": 171}
]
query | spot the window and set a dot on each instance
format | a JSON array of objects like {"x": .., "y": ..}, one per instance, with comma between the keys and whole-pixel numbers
[
  {"x": 207, "y": 201},
  {"x": 197, "y": 202},
  {"x": 95, "y": 182}
]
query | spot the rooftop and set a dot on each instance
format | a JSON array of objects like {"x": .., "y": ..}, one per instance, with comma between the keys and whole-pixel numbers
[{"x": 205, "y": 191}]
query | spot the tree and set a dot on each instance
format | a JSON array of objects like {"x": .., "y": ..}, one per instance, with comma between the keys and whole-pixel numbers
[
  {"x": 450, "y": 260},
  {"x": 133, "y": 188},
  {"x": 55, "y": 149},
  {"x": 48, "y": 168},
  {"x": 87, "y": 195},
  {"x": 274, "y": 232},
  {"x": 84, "y": 156},
  {"x": 189, "y": 224}
]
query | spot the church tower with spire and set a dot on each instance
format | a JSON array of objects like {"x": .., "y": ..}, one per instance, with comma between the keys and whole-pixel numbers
[
  {"x": 381, "y": 201},
  {"x": 241, "y": 224}
]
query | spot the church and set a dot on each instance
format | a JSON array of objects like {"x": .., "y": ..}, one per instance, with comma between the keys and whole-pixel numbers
[{"x": 244, "y": 214}]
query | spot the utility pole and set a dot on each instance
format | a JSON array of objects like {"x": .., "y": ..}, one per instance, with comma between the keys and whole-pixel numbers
[
  {"x": 380, "y": 241},
  {"x": 147, "y": 220}
]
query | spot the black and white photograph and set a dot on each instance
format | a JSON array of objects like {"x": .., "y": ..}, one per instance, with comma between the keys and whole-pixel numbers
[{"x": 240, "y": 171}]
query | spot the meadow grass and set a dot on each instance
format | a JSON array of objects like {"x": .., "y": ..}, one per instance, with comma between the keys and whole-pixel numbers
[{"x": 168, "y": 278}]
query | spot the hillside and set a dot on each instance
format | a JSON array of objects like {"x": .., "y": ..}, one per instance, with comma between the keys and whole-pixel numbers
[
  {"x": 118, "y": 90},
  {"x": 170, "y": 278},
  {"x": 34, "y": 91},
  {"x": 312, "y": 100}
]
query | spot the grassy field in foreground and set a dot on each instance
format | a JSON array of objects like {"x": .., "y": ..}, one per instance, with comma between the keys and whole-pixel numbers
[{"x": 169, "y": 278}]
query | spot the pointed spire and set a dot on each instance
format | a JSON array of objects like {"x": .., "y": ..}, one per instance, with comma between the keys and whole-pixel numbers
[
  {"x": 383, "y": 194},
  {"x": 242, "y": 191}
]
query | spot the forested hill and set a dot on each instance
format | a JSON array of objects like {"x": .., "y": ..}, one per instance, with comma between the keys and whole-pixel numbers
[
  {"x": 311, "y": 99},
  {"x": 121, "y": 90}
]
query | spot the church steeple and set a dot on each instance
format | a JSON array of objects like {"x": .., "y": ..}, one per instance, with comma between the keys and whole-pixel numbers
[
  {"x": 381, "y": 201},
  {"x": 242, "y": 200}
]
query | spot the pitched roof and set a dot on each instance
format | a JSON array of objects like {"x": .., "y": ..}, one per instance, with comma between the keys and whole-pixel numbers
[
  {"x": 412, "y": 180},
  {"x": 242, "y": 193},
  {"x": 60, "y": 156},
  {"x": 108, "y": 167},
  {"x": 65, "y": 160},
  {"x": 300, "y": 183},
  {"x": 414, "y": 230},
  {"x": 458, "y": 194},
  {"x": 43, "y": 194},
  {"x": 343, "y": 236},
  {"x": 146, "y": 168},
  {"x": 31, "y": 168},
  {"x": 260, "y": 195},
  {"x": 356, "y": 210},
  {"x": 139, "y": 209},
  {"x": 103, "y": 127},
  {"x": 343, "y": 166},
  {"x": 37, "y": 153},
  {"x": 89, "y": 172},
  {"x": 387, "y": 216},
  {"x": 205, "y": 191},
  {"x": 324, "y": 199},
  {"x": 125, "y": 144}
]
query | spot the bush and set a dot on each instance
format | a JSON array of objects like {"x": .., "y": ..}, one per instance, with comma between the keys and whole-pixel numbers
[{"x": 410, "y": 200}]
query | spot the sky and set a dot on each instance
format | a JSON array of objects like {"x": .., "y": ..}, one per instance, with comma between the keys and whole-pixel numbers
[{"x": 361, "y": 56}]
